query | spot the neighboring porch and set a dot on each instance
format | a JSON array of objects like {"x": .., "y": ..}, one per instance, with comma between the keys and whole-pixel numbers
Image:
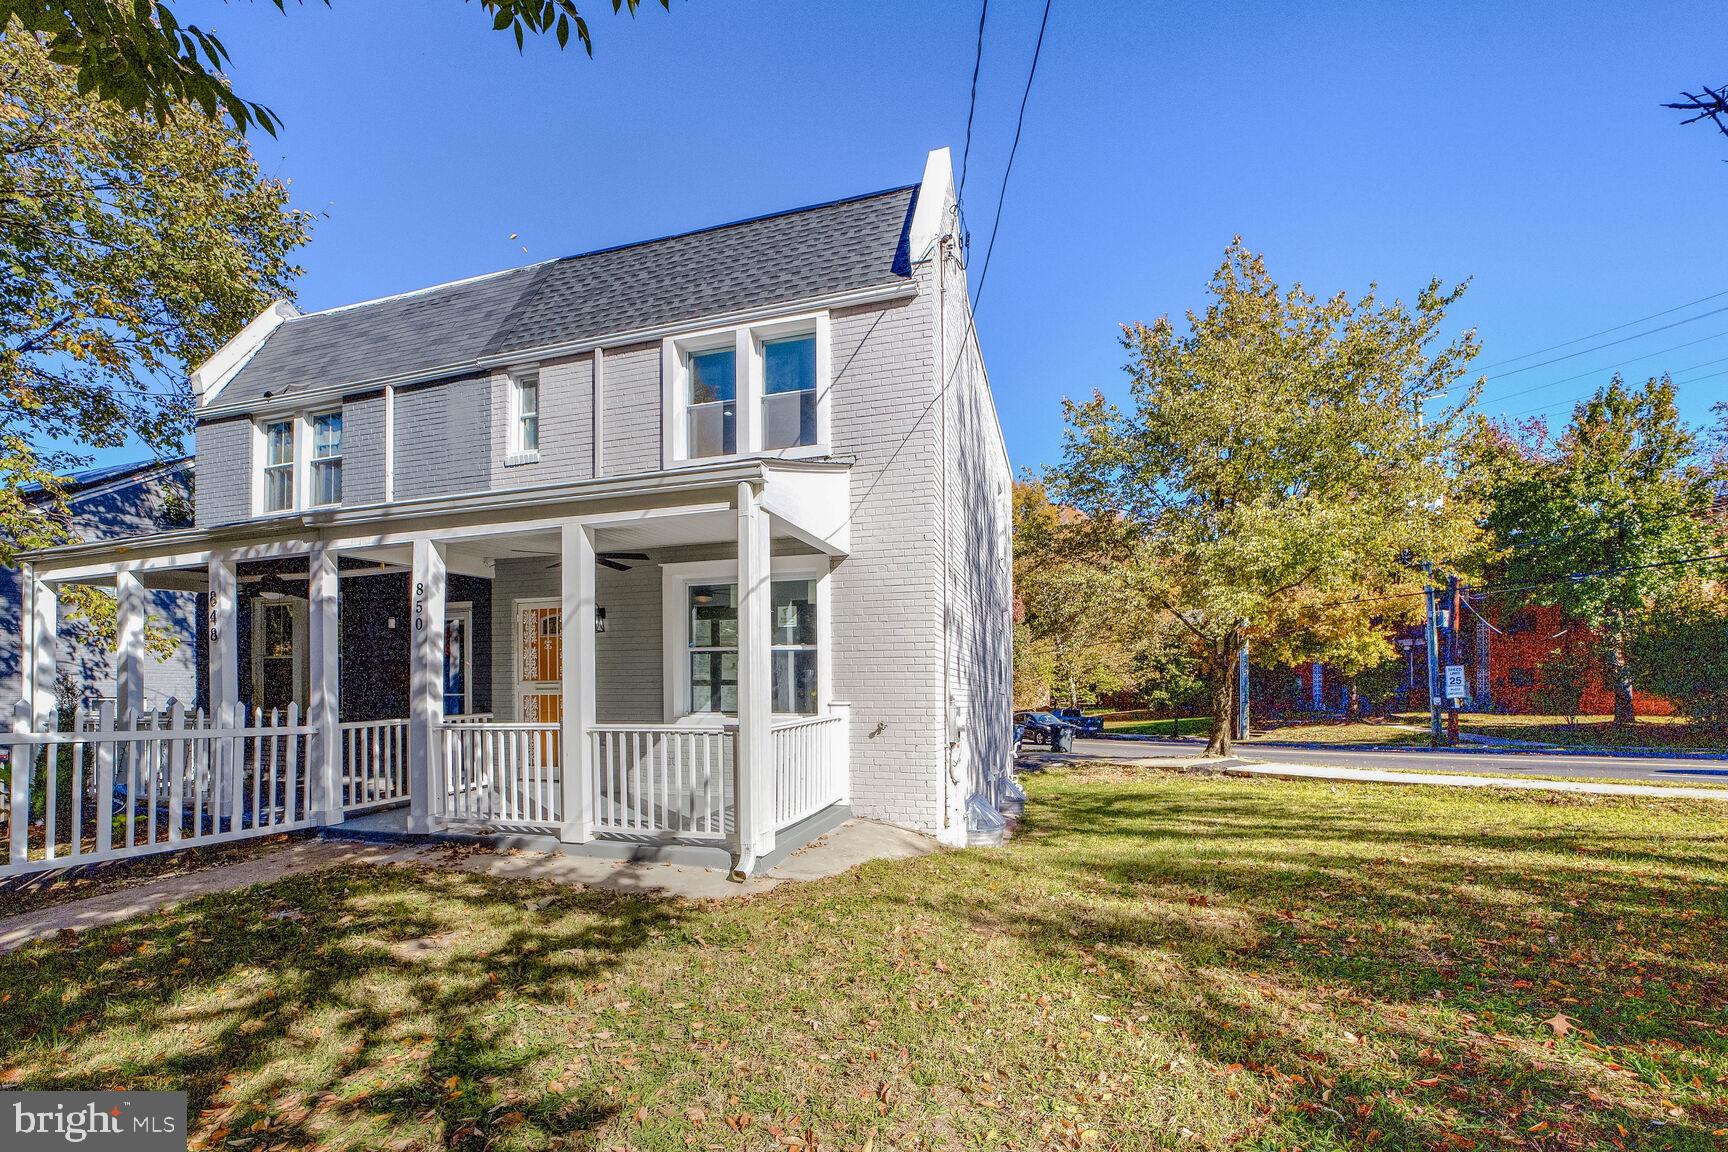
[{"x": 637, "y": 673}]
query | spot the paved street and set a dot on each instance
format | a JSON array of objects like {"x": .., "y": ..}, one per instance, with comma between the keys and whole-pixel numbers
[{"x": 1657, "y": 770}]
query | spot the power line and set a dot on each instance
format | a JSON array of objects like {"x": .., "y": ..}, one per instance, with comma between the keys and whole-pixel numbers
[
  {"x": 1008, "y": 169},
  {"x": 1613, "y": 366},
  {"x": 1612, "y": 343},
  {"x": 972, "y": 103},
  {"x": 1603, "y": 332},
  {"x": 1577, "y": 400}
]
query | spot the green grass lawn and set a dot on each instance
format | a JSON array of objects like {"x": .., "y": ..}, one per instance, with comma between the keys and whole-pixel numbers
[{"x": 1155, "y": 961}]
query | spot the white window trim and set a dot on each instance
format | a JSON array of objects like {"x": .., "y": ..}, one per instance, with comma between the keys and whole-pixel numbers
[
  {"x": 675, "y": 352},
  {"x": 260, "y": 456},
  {"x": 304, "y": 433},
  {"x": 514, "y": 453},
  {"x": 675, "y": 581},
  {"x": 301, "y": 488}
]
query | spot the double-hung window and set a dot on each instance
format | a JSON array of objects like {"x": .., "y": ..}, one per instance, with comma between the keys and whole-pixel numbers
[
  {"x": 789, "y": 392},
  {"x": 279, "y": 466},
  {"x": 711, "y": 404},
  {"x": 702, "y": 664},
  {"x": 713, "y": 645},
  {"x": 793, "y": 644},
  {"x": 524, "y": 418},
  {"x": 740, "y": 391},
  {"x": 327, "y": 458}
]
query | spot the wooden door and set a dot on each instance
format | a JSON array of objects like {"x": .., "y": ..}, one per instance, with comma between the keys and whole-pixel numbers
[{"x": 540, "y": 670}]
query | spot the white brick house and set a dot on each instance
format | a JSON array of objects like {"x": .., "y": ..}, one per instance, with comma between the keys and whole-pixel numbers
[{"x": 690, "y": 545}]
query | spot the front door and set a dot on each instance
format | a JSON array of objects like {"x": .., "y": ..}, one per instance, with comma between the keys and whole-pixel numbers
[
  {"x": 540, "y": 672},
  {"x": 540, "y": 662},
  {"x": 458, "y": 624},
  {"x": 278, "y": 652}
]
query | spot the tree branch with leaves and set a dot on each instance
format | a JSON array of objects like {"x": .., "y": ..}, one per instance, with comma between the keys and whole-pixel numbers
[{"x": 138, "y": 55}]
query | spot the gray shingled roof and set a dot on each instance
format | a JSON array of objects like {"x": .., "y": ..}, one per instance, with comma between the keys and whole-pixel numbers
[{"x": 816, "y": 251}]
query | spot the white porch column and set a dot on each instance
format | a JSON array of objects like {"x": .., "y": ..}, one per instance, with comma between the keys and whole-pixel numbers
[
  {"x": 576, "y": 569},
  {"x": 425, "y": 683},
  {"x": 224, "y": 675},
  {"x": 39, "y": 651},
  {"x": 324, "y": 779},
  {"x": 131, "y": 610},
  {"x": 755, "y": 795}
]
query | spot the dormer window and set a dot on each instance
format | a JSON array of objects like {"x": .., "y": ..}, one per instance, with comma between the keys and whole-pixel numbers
[{"x": 744, "y": 391}]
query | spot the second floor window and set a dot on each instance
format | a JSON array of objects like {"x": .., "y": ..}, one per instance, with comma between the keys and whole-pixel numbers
[
  {"x": 525, "y": 413},
  {"x": 327, "y": 458},
  {"x": 279, "y": 466},
  {"x": 711, "y": 408},
  {"x": 789, "y": 392}
]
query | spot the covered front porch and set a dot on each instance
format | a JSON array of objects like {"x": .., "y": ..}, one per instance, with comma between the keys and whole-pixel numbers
[{"x": 622, "y": 665}]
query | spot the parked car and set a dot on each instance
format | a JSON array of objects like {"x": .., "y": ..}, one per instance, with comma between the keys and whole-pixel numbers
[
  {"x": 1087, "y": 725},
  {"x": 1046, "y": 728}
]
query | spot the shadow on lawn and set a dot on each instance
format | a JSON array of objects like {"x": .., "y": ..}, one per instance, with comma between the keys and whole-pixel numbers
[
  {"x": 349, "y": 946},
  {"x": 1232, "y": 915}
]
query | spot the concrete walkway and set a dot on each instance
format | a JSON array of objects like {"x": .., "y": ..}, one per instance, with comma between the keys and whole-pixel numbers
[
  {"x": 847, "y": 846},
  {"x": 1460, "y": 780},
  {"x": 155, "y": 895}
]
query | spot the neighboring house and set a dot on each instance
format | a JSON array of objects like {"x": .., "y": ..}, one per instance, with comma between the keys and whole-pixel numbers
[
  {"x": 701, "y": 542},
  {"x": 112, "y": 503},
  {"x": 1508, "y": 651}
]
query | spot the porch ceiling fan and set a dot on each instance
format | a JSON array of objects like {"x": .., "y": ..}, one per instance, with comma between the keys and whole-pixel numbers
[
  {"x": 612, "y": 560},
  {"x": 274, "y": 586}
]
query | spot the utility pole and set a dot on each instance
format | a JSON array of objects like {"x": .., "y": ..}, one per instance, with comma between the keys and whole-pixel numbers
[
  {"x": 1434, "y": 731},
  {"x": 1452, "y": 655},
  {"x": 1242, "y": 694}
]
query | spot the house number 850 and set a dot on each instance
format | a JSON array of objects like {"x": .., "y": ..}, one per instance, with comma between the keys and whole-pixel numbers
[{"x": 419, "y": 606}]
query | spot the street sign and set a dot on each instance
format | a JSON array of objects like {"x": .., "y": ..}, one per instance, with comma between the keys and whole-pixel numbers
[{"x": 1455, "y": 688}]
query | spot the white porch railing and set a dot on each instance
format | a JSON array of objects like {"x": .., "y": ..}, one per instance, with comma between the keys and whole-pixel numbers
[
  {"x": 663, "y": 779},
  {"x": 809, "y": 767},
  {"x": 374, "y": 763},
  {"x": 106, "y": 790},
  {"x": 499, "y": 773}
]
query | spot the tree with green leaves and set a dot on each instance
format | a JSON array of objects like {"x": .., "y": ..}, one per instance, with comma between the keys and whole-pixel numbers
[
  {"x": 137, "y": 53},
  {"x": 130, "y": 250},
  {"x": 1074, "y": 638},
  {"x": 1276, "y": 465},
  {"x": 1608, "y": 521}
]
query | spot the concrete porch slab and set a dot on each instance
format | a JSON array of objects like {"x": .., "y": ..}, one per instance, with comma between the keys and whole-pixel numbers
[{"x": 838, "y": 850}]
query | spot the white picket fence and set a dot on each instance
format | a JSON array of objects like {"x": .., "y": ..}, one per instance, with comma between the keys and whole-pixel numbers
[
  {"x": 124, "y": 787},
  {"x": 374, "y": 763},
  {"x": 499, "y": 774},
  {"x": 663, "y": 780},
  {"x": 809, "y": 767}
]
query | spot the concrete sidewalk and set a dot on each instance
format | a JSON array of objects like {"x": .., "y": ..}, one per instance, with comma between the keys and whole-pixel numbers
[{"x": 1462, "y": 780}]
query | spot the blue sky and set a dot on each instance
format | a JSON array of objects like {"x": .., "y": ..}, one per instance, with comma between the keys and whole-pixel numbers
[{"x": 1522, "y": 146}]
